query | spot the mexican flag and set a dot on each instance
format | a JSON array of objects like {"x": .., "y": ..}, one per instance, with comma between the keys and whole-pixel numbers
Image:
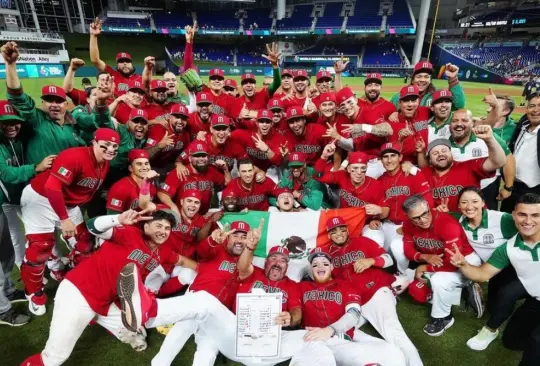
[{"x": 299, "y": 232}]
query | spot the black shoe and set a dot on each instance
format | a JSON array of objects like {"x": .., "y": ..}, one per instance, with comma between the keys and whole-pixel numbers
[
  {"x": 438, "y": 326},
  {"x": 13, "y": 319},
  {"x": 475, "y": 300},
  {"x": 17, "y": 296}
]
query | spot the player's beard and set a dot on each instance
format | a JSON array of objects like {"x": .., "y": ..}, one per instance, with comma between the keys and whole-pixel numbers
[
  {"x": 373, "y": 96},
  {"x": 201, "y": 168},
  {"x": 275, "y": 273}
]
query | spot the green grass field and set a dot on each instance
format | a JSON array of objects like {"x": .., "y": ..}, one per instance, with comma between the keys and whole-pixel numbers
[{"x": 97, "y": 348}]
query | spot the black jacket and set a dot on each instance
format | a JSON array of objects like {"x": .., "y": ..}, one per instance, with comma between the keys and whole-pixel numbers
[{"x": 523, "y": 123}]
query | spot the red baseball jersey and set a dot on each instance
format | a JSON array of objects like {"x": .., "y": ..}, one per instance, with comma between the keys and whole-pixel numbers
[
  {"x": 122, "y": 112},
  {"x": 184, "y": 235},
  {"x": 445, "y": 231},
  {"x": 203, "y": 182},
  {"x": 158, "y": 112},
  {"x": 339, "y": 120},
  {"x": 419, "y": 125},
  {"x": 228, "y": 152},
  {"x": 255, "y": 198},
  {"x": 397, "y": 188},
  {"x": 258, "y": 101},
  {"x": 96, "y": 277},
  {"x": 370, "y": 192},
  {"x": 291, "y": 297},
  {"x": 169, "y": 154},
  {"x": 79, "y": 172},
  {"x": 325, "y": 303},
  {"x": 461, "y": 174},
  {"x": 121, "y": 82},
  {"x": 374, "y": 111},
  {"x": 78, "y": 96},
  {"x": 196, "y": 124},
  {"x": 366, "y": 142},
  {"x": 310, "y": 143},
  {"x": 217, "y": 273},
  {"x": 124, "y": 195},
  {"x": 223, "y": 103},
  {"x": 288, "y": 103},
  {"x": 273, "y": 140},
  {"x": 344, "y": 257}
]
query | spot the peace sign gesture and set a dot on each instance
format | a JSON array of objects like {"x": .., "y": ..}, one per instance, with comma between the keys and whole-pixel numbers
[
  {"x": 219, "y": 235},
  {"x": 259, "y": 143},
  {"x": 456, "y": 258},
  {"x": 340, "y": 66},
  {"x": 131, "y": 217},
  {"x": 443, "y": 206},
  {"x": 190, "y": 32},
  {"x": 273, "y": 53},
  {"x": 332, "y": 132},
  {"x": 166, "y": 141},
  {"x": 254, "y": 235}
]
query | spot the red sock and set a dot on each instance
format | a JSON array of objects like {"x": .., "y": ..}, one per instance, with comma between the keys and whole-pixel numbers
[{"x": 172, "y": 286}]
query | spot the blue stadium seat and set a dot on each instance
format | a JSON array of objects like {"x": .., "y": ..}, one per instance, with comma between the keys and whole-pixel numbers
[
  {"x": 261, "y": 17},
  {"x": 381, "y": 55},
  {"x": 400, "y": 17},
  {"x": 365, "y": 15},
  {"x": 172, "y": 20},
  {"x": 299, "y": 19},
  {"x": 127, "y": 22},
  {"x": 331, "y": 17},
  {"x": 224, "y": 19}
]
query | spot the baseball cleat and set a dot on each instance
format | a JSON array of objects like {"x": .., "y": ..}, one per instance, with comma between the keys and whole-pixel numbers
[
  {"x": 438, "y": 326},
  {"x": 482, "y": 340},
  {"x": 475, "y": 299},
  {"x": 13, "y": 319},
  {"x": 130, "y": 297},
  {"x": 36, "y": 303},
  {"x": 137, "y": 340}
]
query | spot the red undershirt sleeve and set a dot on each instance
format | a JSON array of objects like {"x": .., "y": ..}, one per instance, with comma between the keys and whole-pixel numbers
[{"x": 53, "y": 190}]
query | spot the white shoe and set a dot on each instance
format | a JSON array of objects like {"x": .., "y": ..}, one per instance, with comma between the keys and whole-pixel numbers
[
  {"x": 36, "y": 303},
  {"x": 401, "y": 283},
  {"x": 482, "y": 340},
  {"x": 137, "y": 341}
]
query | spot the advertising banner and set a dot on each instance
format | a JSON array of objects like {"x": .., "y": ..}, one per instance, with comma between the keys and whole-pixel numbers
[
  {"x": 29, "y": 58},
  {"x": 127, "y": 30},
  {"x": 36, "y": 71}
]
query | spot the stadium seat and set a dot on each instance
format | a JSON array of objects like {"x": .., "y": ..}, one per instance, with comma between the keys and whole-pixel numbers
[
  {"x": 400, "y": 18},
  {"x": 172, "y": 20},
  {"x": 331, "y": 17},
  {"x": 224, "y": 19},
  {"x": 300, "y": 18},
  {"x": 365, "y": 15}
]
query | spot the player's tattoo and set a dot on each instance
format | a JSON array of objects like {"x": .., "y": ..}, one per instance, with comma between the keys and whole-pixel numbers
[{"x": 382, "y": 130}]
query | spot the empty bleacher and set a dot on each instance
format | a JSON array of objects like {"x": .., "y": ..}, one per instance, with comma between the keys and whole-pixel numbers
[
  {"x": 401, "y": 17},
  {"x": 331, "y": 17},
  {"x": 127, "y": 22},
  {"x": 224, "y": 19},
  {"x": 300, "y": 18},
  {"x": 381, "y": 55},
  {"x": 365, "y": 15},
  {"x": 172, "y": 20},
  {"x": 260, "y": 17}
]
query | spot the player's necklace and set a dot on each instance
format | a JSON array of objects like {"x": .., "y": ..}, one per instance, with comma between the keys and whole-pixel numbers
[{"x": 15, "y": 157}]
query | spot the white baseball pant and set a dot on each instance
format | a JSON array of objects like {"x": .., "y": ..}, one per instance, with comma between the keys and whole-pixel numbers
[
  {"x": 389, "y": 230},
  {"x": 377, "y": 235},
  {"x": 72, "y": 313},
  {"x": 16, "y": 230},
  {"x": 380, "y": 311}
]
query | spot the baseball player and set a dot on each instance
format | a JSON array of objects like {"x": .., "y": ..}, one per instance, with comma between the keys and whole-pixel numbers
[
  {"x": 159, "y": 107},
  {"x": 373, "y": 106},
  {"x": 125, "y": 71},
  {"x": 250, "y": 193},
  {"x": 166, "y": 142},
  {"x": 339, "y": 302},
  {"x": 122, "y": 107},
  {"x": 81, "y": 97},
  {"x": 447, "y": 177},
  {"x": 356, "y": 189},
  {"x": 51, "y": 201},
  {"x": 91, "y": 290},
  {"x": 441, "y": 108},
  {"x": 286, "y": 84},
  {"x": 323, "y": 81},
  {"x": 307, "y": 138},
  {"x": 135, "y": 191},
  {"x": 276, "y": 106},
  {"x": 173, "y": 94},
  {"x": 360, "y": 260},
  {"x": 202, "y": 176},
  {"x": 300, "y": 92},
  {"x": 397, "y": 186},
  {"x": 426, "y": 235},
  {"x": 223, "y": 103},
  {"x": 285, "y": 202},
  {"x": 329, "y": 114},
  {"x": 231, "y": 88},
  {"x": 200, "y": 119}
]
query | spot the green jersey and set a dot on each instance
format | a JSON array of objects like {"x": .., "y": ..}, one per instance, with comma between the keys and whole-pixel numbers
[
  {"x": 454, "y": 86},
  {"x": 14, "y": 171},
  {"x": 506, "y": 131}
]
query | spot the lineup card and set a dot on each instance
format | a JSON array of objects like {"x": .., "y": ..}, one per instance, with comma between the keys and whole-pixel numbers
[{"x": 257, "y": 335}]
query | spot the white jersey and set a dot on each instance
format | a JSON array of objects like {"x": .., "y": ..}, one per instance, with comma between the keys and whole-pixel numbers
[
  {"x": 525, "y": 260},
  {"x": 476, "y": 148},
  {"x": 494, "y": 230},
  {"x": 438, "y": 132}
]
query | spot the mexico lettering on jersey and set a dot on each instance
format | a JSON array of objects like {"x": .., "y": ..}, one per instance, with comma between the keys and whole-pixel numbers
[
  {"x": 140, "y": 257},
  {"x": 200, "y": 185},
  {"x": 446, "y": 191},
  {"x": 350, "y": 199},
  {"x": 325, "y": 295},
  {"x": 250, "y": 200},
  {"x": 90, "y": 183},
  {"x": 397, "y": 191},
  {"x": 227, "y": 266},
  {"x": 347, "y": 258},
  {"x": 428, "y": 243}
]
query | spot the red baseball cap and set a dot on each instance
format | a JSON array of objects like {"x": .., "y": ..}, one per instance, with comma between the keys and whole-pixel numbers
[
  {"x": 123, "y": 55},
  {"x": 179, "y": 109},
  {"x": 358, "y": 157},
  {"x": 327, "y": 97},
  {"x": 216, "y": 73},
  {"x": 158, "y": 84},
  {"x": 136, "y": 84},
  {"x": 409, "y": 91},
  {"x": 248, "y": 77},
  {"x": 323, "y": 74},
  {"x": 219, "y": 120},
  {"x": 231, "y": 83},
  {"x": 204, "y": 97},
  {"x": 8, "y": 113},
  {"x": 442, "y": 94},
  {"x": 276, "y": 103},
  {"x": 138, "y": 113},
  {"x": 282, "y": 190},
  {"x": 193, "y": 193},
  {"x": 137, "y": 154},
  {"x": 53, "y": 91},
  {"x": 423, "y": 66},
  {"x": 344, "y": 94},
  {"x": 297, "y": 159},
  {"x": 264, "y": 114},
  {"x": 228, "y": 192},
  {"x": 374, "y": 77},
  {"x": 278, "y": 250},
  {"x": 335, "y": 222},
  {"x": 197, "y": 148},
  {"x": 300, "y": 74},
  {"x": 420, "y": 292},
  {"x": 107, "y": 134},
  {"x": 240, "y": 226},
  {"x": 287, "y": 72},
  {"x": 318, "y": 253},
  {"x": 390, "y": 146},
  {"x": 295, "y": 113}
]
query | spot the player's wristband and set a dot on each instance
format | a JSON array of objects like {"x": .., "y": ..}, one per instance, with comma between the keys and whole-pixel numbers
[{"x": 367, "y": 128}]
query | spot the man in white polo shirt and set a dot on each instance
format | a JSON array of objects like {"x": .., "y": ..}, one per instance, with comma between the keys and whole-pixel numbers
[
  {"x": 524, "y": 144},
  {"x": 441, "y": 107},
  {"x": 466, "y": 146},
  {"x": 523, "y": 253}
]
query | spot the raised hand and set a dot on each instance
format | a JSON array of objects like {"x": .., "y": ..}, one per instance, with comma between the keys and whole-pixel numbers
[
  {"x": 219, "y": 235},
  {"x": 404, "y": 133},
  {"x": 420, "y": 146},
  {"x": 443, "y": 206},
  {"x": 272, "y": 53},
  {"x": 353, "y": 129},
  {"x": 244, "y": 113},
  {"x": 254, "y": 235},
  {"x": 46, "y": 163},
  {"x": 451, "y": 71},
  {"x": 190, "y": 32},
  {"x": 340, "y": 65},
  {"x": 201, "y": 135},
  {"x": 182, "y": 172},
  {"x": 95, "y": 27},
  {"x": 76, "y": 63},
  {"x": 283, "y": 149},
  {"x": 490, "y": 98},
  {"x": 150, "y": 62},
  {"x": 259, "y": 143},
  {"x": 131, "y": 217},
  {"x": 456, "y": 258},
  {"x": 329, "y": 150},
  {"x": 167, "y": 140},
  {"x": 10, "y": 52},
  {"x": 483, "y": 132},
  {"x": 332, "y": 132}
]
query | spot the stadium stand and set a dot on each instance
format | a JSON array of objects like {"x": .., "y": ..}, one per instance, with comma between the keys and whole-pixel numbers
[
  {"x": 300, "y": 18},
  {"x": 400, "y": 17},
  {"x": 381, "y": 55},
  {"x": 127, "y": 22},
  {"x": 224, "y": 19},
  {"x": 365, "y": 16},
  {"x": 172, "y": 20},
  {"x": 258, "y": 19},
  {"x": 250, "y": 55},
  {"x": 331, "y": 17}
]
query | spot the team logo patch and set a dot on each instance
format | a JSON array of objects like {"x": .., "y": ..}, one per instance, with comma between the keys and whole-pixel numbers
[
  {"x": 165, "y": 186},
  {"x": 116, "y": 203},
  {"x": 476, "y": 152},
  {"x": 488, "y": 239},
  {"x": 64, "y": 172}
]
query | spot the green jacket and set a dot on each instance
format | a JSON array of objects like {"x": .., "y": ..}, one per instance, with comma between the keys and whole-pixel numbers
[
  {"x": 91, "y": 121},
  {"x": 12, "y": 176},
  {"x": 454, "y": 86},
  {"x": 506, "y": 131},
  {"x": 179, "y": 98},
  {"x": 47, "y": 137},
  {"x": 315, "y": 193}
]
